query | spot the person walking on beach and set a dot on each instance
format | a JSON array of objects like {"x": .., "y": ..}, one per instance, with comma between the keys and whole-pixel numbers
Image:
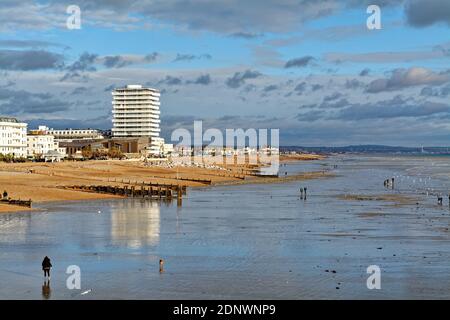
[{"x": 46, "y": 265}]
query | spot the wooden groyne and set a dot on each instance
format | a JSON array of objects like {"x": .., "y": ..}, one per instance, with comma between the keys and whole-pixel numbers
[
  {"x": 142, "y": 190},
  {"x": 22, "y": 203},
  {"x": 129, "y": 181}
]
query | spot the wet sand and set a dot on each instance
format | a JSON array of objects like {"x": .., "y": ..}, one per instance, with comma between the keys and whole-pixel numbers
[
  {"x": 253, "y": 241},
  {"x": 397, "y": 199}
]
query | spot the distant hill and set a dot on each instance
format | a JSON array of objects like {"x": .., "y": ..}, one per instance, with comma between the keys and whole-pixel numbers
[{"x": 368, "y": 149}]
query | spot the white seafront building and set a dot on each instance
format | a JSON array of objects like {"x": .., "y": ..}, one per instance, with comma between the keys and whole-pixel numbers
[
  {"x": 41, "y": 144},
  {"x": 136, "y": 114},
  {"x": 13, "y": 137},
  {"x": 68, "y": 135}
]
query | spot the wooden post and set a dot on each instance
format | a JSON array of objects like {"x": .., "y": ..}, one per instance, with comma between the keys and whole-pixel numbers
[{"x": 179, "y": 196}]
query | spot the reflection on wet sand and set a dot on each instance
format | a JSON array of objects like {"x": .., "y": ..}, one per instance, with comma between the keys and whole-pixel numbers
[
  {"x": 17, "y": 223},
  {"x": 135, "y": 223},
  {"x": 46, "y": 291}
]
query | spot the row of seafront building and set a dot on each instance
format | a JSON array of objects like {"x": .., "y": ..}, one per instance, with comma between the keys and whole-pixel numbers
[
  {"x": 135, "y": 133},
  {"x": 136, "y": 130}
]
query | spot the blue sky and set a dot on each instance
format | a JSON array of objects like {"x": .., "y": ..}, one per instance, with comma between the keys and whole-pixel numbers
[{"x": 309, "y": 68}]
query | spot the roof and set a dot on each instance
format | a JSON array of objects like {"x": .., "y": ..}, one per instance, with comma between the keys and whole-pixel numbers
[
  {"x": 8, "y": 119},
  {"x": 53, "y": 153},
  {"x": 135, "y": 87}
]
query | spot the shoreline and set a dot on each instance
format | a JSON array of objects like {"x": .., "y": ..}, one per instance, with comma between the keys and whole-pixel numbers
[{"x": 45, "y": 182}]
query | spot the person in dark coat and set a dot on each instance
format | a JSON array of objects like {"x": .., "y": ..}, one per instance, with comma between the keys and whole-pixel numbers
[{"x": 46, "y": 265}]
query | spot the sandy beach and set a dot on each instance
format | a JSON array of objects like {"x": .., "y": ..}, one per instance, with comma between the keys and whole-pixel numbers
[{"x": 43, "y": 182}]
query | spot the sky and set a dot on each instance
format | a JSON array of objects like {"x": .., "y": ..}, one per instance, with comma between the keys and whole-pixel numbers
[{"x": 312, "y": 69}]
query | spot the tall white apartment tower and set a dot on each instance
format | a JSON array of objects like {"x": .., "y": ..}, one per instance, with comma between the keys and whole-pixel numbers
[{"x": 136, "y": 112}]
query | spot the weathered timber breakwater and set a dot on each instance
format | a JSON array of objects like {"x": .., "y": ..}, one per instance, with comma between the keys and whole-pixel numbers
[
  {"x": 143, "y": 190},
  {"x": 17, "y": 202}
]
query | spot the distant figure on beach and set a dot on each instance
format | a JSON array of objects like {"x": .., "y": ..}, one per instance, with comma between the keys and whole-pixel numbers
[
  {"x": 46, "y": 265},
  {"x": 46, "y": 291},
  {"x": 161, "y": 265},
  {"x": 5, "y": 195},
  {"x": 440, "y": 200}
]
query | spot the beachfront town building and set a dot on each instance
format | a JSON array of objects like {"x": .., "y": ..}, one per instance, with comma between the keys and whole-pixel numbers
[
  {"x": 130, "y": 147},
  {"x": 167, "y": 149},
  {"x": 68, "y": 135},
  {"x": 13, "y": 137},
  {"x": 42, "y": 145},
  {"x": 136, "y": 114}
]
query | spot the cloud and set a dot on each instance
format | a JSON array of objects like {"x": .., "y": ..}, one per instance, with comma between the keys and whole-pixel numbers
[
  {"x": 34, "y": 44},
  {"x": 28, "y": 14},
  {"x": 190, "y": 57},
  {"x": 364, "y": 72},
  {"x": 403, "y": 78},
  {"x": 85, "y": 62},
  {"x": 204, "y": 79},
  {"x": 435, "y": 92},
  {"x": 74, "y": 76},
  {"x": 234, "y": 16},
  {"x": 28, "y": 60},
  {"x": 396, "y": 107},
  {"x": 246, "y": 35},
  {"x": 151, "y": 57},
  {"x": 269, "y": 88},
  {"x": 80, "y": 90},
  {"x": 333, "y": 96},
  {"x": 89, "y": 61},
  {"x": 316, "y": 87},
  {"x": 171, "y": 81},
  {"x": 385, "y": 57},
  {"x": 299, "y": 62},
  {"x": 422, "y": 13},
  {"x": 300, "y": 88},
  {"x": 8, "y": 84},
  {"x": 319, "y": 111},
  {"x": 353, "y": 84},
  {"x": 309, "y": 116},
  {"x": 227, "y": 17},
  {"x": 239, "y": 78},
  {"x": 16, "y": 102},
  {"x": 110, "y": 88},
  {"x": 115, "y": 62}
]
